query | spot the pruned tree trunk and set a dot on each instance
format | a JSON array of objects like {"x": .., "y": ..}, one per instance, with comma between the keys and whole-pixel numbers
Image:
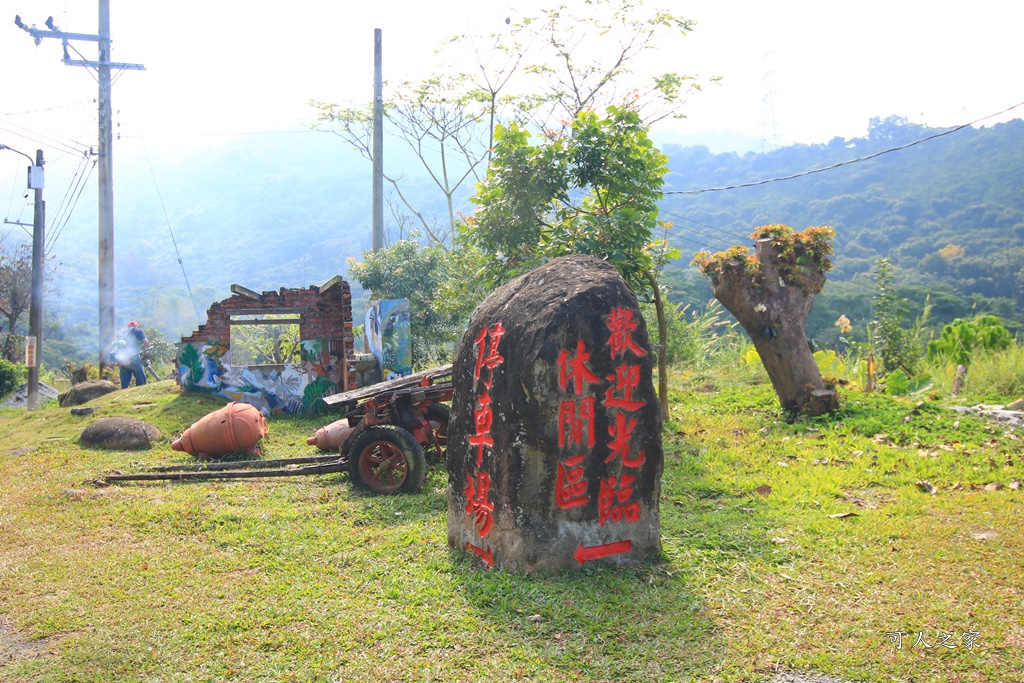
[
  {"x": 772, "y": 307},
  {"x": 659, "y": 307}
]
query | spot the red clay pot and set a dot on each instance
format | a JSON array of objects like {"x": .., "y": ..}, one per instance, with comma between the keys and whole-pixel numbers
[
  {"x": 235, "y": 427},
  {"x": 331, "y": 437}
]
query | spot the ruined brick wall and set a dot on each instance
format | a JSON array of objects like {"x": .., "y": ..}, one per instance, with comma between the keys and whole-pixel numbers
[
  {"x": 323, "y": 315},
  {"x": 327, "y": 349}
]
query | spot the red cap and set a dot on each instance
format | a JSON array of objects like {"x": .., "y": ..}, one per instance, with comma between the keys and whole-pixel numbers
[{"x": 132, "y": 323}]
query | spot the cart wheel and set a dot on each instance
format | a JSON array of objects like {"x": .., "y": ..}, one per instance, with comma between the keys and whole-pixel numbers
[
  {"x": 387, "y": 459},
  {"x": 438, "y": 415}
]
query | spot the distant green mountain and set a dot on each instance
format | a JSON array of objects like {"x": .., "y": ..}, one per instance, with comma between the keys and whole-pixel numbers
[
  {"x": 949, "y": 212},
  {"x": 288, "y": 210}
]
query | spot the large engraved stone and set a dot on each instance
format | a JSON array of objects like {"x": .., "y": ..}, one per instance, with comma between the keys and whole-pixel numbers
[{"x": 554, "y": 444}]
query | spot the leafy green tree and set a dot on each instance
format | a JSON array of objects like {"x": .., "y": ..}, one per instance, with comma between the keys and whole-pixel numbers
[
  {"x": 417, "y": 272},
  {"x": 16, "y": 294},
  {"x": 592, "y": 190},
  {"x": 899, "y": 347},
  {"x": 540, "y": 72}
]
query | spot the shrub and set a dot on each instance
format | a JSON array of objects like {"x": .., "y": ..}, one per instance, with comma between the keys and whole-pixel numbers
[
  {"x": 961, "y": 338},
  {"x": 10, "y": 377}
]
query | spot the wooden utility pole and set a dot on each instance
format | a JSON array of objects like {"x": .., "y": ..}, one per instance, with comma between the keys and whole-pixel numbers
[
  {"x": 106, "y": 165},
  {"x": 378, "y": 142}
]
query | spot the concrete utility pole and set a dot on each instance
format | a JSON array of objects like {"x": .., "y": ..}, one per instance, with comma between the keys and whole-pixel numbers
[
  {"x": 106, "y": 165},
  {"x": 35, "y": 311},
  {"x": 34, "y": 339},
  {"x": 378, "y": 142}
]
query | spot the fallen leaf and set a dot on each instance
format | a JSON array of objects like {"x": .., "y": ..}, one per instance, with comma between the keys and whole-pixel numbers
[
  {"x": 782, "y": 464},
  {"x": 880, "y": 438},
  {"x": 535, "y": 618},
  {"x": 820, "y": 461},
  {"x": 1015, "y": 484},
  {"x": 841, "y": 463},
  {"x": 763, "y": 489},
  {"x": 843, "y": 515},
  {"x": 747, "y": 511},
  {"x": 956, "y": 424},
  {"x": 856, "y": 454},
  {"x": 987, "y": 535},
  {"x": 955, "y": 486},
  {"x": 993, "y": 486},
  {"x": 778, "y": 540},
  {"x": 927, "y": 487}
]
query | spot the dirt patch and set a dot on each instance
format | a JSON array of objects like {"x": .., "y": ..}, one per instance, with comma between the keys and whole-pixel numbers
[
  {"x": 870, "y": 498},
  {"x": 801, "y": 677},
  {"x": 14, "y": 646}
]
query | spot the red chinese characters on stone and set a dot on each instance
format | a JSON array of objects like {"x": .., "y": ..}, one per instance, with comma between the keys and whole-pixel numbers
[
  {"x": 621, "y": 432},
  {"x": 487, "y": 355},
  {"x": 620, "y": 393},
  {"x": 477, "y": 504},
  {"x": 483, "y": 418},
  {"x": 575, "y": 425},
  {"x": 612, "y": 505},
  {"x": 615, "y": 492},
  {"x": 571, "y": 425},
  {"x": 570, "y": 486},
  {"x": 576, "y": 369},
  {"x": 622, "y": 326}
]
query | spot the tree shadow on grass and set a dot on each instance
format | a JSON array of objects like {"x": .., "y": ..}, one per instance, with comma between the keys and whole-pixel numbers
[{"x": 649, "y": 622}]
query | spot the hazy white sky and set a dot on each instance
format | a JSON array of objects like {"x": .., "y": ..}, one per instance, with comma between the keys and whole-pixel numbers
[{"x": 223, "y": 67}]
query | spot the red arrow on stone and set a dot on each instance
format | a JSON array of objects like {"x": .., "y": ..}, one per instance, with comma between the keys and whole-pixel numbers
[
  {"x": 486, "y": 555},
  {"x": 595, "y": 551}
]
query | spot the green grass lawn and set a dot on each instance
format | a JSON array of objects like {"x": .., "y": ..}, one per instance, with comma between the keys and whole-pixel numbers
[{"x": 306, "y": 579}]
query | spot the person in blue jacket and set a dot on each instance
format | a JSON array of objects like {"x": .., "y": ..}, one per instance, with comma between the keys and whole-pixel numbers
[{"x": 127, "y": 353}]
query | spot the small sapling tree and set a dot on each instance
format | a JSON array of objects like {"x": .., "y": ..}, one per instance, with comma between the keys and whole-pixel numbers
[{"x": 770, "y": 293}]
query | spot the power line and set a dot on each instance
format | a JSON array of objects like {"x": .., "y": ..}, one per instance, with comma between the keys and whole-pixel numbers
[
  {"x": 195, "y": 309},
  {"x": 843, "y": 163},
  {"x": 68, "y": 214},
  {"x": 82, "y": 180},
  {"x": 848, "y": 286},
  {"x": 40, "y": 111}
]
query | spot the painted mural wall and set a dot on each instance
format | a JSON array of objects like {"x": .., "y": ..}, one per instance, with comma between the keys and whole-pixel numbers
[
  {"x": 325, "y": 350},
  {"x": 389, "y": 336},
  {"x": 274, "y": 389}
]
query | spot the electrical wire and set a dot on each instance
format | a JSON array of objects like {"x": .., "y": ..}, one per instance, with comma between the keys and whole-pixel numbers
[
  {"x": 66, "y": 208},
  {"x": 842, "y": 163},
  {"x": 39, "y": 111},
  {"x": 846, "y": 286},
  {"x": 71, "y": 147},
  {"x": 59, "y": 231},
  {"x": 195, "y": 309}
]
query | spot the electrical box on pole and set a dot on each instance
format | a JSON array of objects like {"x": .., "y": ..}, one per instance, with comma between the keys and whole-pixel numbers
[{"x": 35, "y": 178}]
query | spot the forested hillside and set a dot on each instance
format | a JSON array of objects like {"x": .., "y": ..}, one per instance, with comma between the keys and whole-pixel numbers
[
  {"x": 948, "y": 212},
  {"x": 289, "y": 210}
]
